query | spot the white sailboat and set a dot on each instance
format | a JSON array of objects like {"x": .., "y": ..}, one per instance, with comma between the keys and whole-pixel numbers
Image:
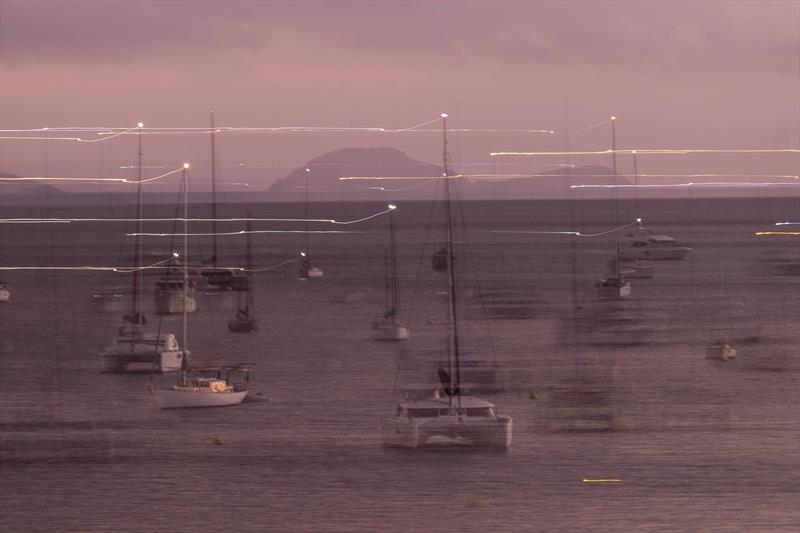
[
  {"x": 307, "y": 268},
  {"x": 388, "y": 326},
  {"x": 614, "y": 285},
  {"x": 197, "y": 388},
  {"x": 720, "y": 348},
  {"x": 133, "y": 348},
  {"x": 445, "y": 416}
]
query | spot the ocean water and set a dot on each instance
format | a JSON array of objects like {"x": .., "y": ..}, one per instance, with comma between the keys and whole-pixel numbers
[{"x": 597, "y": 389}]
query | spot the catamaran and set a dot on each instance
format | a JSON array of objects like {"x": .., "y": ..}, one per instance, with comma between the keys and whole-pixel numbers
[{"x": 445, "y": 415}]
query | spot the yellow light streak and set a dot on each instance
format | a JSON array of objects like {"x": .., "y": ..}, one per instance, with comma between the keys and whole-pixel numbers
[
  {"x": 655, "y": 151},
  {"x": 720, "y": 184},
  {"x": 107, "y": 180},
  {"x": 777, "y": 233}
]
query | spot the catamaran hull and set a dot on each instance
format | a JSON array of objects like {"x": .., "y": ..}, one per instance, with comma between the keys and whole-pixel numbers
[
  {"x": 488, "y": 433},
  {"x": 169, "y": 361},
  {"x": 177, "y": 398}
]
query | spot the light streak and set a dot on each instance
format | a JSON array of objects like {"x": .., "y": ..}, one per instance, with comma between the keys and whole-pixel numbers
[
  {"x": 759, "y": 233},
  {"x": 540, "y": 176},
  {"x": 230, "y": 233},
  {"x": 389, "y": 208},
  {"x": 656, "y": 151},
  {"x": 415, "y": 186},
  {"x": 610, "y": 480},
  {"x": 108, "y": 137},
  {"x": 690, "y": 184},
  {"x": 786, "y": 223},
  {"x": 123, "y": 270},
  {"x": 272, "y": 267},
  {"x": 638, "y": 221},
  {"x": 95, "y": 180}
]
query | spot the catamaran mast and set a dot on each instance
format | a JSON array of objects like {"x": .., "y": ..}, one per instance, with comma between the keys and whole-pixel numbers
[
  {"x": 455, "y": 377},
  {"x": 213, "y": 195}
]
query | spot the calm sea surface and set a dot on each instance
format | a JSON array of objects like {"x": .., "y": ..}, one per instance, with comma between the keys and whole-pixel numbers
[{"x": 597, "y": 389}]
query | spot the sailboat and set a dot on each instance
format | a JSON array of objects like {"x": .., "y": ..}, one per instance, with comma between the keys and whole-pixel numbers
[
  {"x": 388, "y": 326},
  {"x": 135, "y": 349},
  {"x": 720, "y": 348},
  {"x": 207, "y": 387},
  {"x": 446, "y": 416},
  {"x": 219, "y": 278},
  {"x": 307, "y": 269},
  {"x": 614, "y": 285},
  {"x": 244, "y": 321}
]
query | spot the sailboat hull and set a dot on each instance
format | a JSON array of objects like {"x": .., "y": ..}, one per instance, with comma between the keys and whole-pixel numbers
[
  {"x": 721, "y": 352},
  {"x": 390, "y": 332},
  {"x": 185, "y": 397},
  {"x": 414, "y": 433}
]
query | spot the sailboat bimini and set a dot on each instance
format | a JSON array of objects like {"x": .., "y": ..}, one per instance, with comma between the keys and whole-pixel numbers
[{"x": 445, "y": 416}]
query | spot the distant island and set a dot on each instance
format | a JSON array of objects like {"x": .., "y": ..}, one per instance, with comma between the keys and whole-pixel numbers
[{"x": 324, "y": 184}]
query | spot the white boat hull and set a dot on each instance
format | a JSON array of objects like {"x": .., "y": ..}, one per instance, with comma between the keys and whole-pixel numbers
[
  {"x": 185, "y": 397},
  {"x": 614, "y": 291},
  {"x": 480, "y": 432},
  {"x": 5, "y": 295},
  {"x": 722, "y": 352},
  {"x": 396, "y": 332},
  {"x": 172, "y": 303},
  {"x": 142, "y": 361}
]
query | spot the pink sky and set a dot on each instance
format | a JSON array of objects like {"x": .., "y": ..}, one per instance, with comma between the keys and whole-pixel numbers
[{"x": 677, "y": 74}]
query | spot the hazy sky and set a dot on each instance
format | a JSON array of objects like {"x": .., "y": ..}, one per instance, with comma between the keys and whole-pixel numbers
[{"x": 720, "y": 74}]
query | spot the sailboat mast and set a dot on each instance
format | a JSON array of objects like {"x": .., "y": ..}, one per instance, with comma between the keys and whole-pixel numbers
[
  {"x": 185, "y": 177},
  {"x": 455, "y": 377},
  {"x": 213, "y": 194},
  {"x": 308, "y": 222},
  {"x": 393, "y": 282},
  {"x": 249, "y": 229},
  {"x": 137, "y": 271},
  {"x": 616, "y": 201},
  {"x": 635, "y": 186}
]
